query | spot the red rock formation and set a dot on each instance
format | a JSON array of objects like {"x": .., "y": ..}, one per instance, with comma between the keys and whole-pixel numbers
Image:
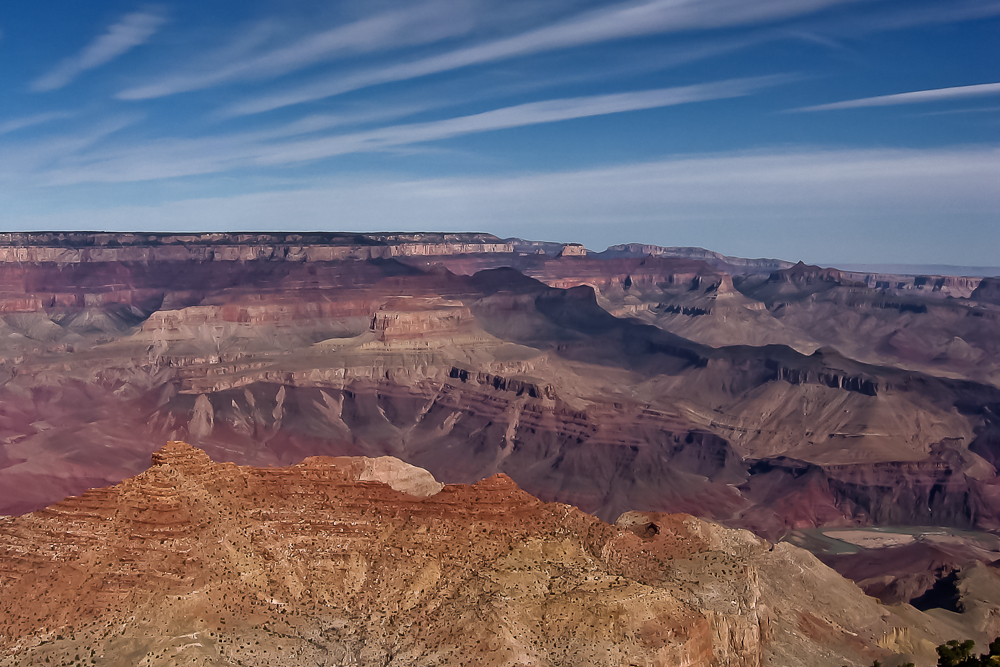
[
  {"x": 267, "y": 360},
  {"x": 195, "y": 562}
]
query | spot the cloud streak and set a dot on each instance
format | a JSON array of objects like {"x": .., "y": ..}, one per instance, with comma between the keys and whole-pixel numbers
[
  {"x": 188, "y": 157},
  {"x": 129, "y": 32},
  {"x": 906, "y": 15},
  {"x": 522, "y": 115},
  {"x": 17, "y": 124},
  {"x": 421, "y": 24},
  {"x": 22, "y": 162},
  {"x": 915, "y": 97},
  {"x": 631, "y": 19}
]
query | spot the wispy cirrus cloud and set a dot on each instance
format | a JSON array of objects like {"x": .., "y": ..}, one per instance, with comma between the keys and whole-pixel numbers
[
  {"x": 129, "y": 32},
  {"x": 187, "y": 157},
  {"x": 422, "y": 23},
  {"x": 22, "y": 161},
  {"x": 15, "y": 124},
  {"x": 955, "y": 112},
  {"x": 908, "y": 16},
  {"x": 915, "y": 97},
  {"x": 521, "y": 115},
  {"x": 623, "y": 20}
]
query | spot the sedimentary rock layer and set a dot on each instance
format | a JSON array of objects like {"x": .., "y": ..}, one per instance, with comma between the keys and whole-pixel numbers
[
  {"x": 338, "y": 561},
  {"x": 791, "y": 398}
]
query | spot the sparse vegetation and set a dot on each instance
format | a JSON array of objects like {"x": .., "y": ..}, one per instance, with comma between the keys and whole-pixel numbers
[{"x": 960, "y": 654}]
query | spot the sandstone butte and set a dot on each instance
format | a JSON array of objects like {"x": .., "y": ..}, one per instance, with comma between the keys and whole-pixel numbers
[{"x": 360, "y": 561}]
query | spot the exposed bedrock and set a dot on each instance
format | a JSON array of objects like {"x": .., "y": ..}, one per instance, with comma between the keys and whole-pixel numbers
[
  {"x": 936, "y": 324},
  {"x": 941, "y": 491},
  {"x": 269, "y": 361},
  {"x": 467, "y": 425},
  {"x": 924, "y": 573},
  {"x": 341, "y": 560},
  {"x": 731, "y": 264},
  {"x": 604, "y": 461},
  {"x": 987, "y": 291},
  {"x": 64, "y": 248},
  {"x": 956, "y": 286},
  {"x": 860, "y": 384}
]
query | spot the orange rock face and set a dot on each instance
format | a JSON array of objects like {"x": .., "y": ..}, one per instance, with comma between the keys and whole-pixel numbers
[{"x": 201, "y": 563}]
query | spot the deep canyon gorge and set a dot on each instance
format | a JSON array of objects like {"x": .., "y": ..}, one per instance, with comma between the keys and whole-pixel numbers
[{"x": 630, "y": 443}]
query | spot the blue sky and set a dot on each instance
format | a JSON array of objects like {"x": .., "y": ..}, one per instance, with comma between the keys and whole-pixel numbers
[{"x": 862, "y": 131}]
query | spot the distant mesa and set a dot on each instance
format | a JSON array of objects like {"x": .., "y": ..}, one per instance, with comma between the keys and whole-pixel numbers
[
  {"x": 714, "y": 259},
  {"x": 805, "y": 274},
  {"x": 573, "y": 250}
]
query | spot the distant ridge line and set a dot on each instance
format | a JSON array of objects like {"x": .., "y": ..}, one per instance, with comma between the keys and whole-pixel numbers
[
  {"x": 136, "y": 238},
  {"x": 758, "y": 265},
  {"x": 923, "y": 269}
]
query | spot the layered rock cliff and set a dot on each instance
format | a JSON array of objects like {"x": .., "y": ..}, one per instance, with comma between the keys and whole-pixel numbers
[
  {"x": 650, "y": 383},
  {"x": 776, "y": 398},
  {"x": 88, "y": 247},
  {"x": 716, "y": 259},
  {"x": 339, "y": 561},
  {"x": 265, "y": 362}
]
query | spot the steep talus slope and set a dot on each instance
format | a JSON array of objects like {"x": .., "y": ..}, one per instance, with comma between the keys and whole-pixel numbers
[{"x": 322, "y": 563}]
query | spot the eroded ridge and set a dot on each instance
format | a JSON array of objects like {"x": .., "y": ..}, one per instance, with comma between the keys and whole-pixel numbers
[{"x": 324, "y": 563}]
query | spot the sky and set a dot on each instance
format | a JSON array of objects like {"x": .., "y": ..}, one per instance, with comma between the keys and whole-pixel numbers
[{"x": 831, "y": 131}]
